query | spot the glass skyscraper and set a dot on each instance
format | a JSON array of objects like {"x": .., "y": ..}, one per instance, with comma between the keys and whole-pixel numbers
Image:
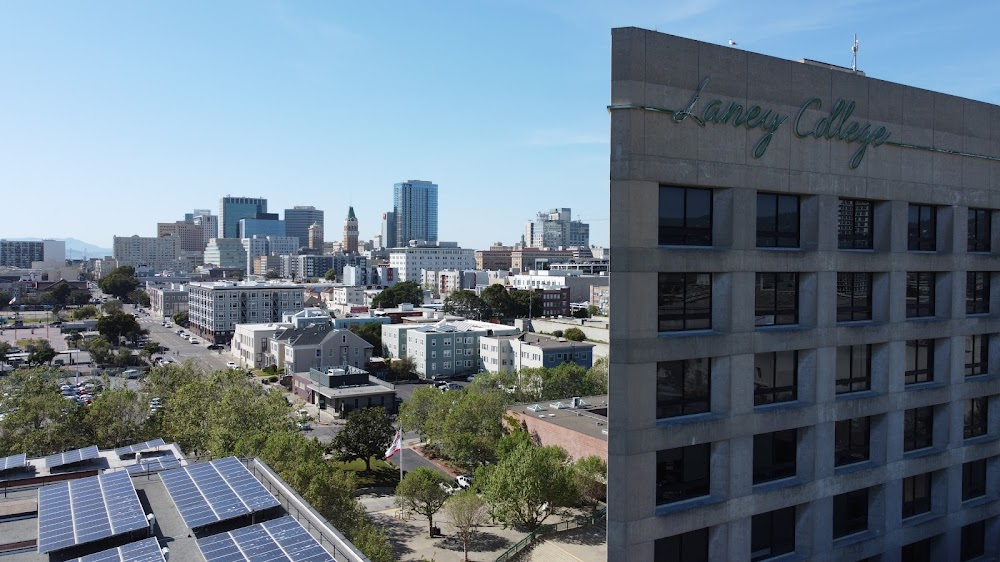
[
  {"x": 232, "y": 209},
  {"x": 415, "y": 205}
]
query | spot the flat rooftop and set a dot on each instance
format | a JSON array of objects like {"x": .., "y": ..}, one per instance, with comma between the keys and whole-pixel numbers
[{"x": 589, "y": 418}]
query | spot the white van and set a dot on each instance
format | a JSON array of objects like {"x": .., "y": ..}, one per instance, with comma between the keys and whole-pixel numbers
[{"x": 131, "y": 374}]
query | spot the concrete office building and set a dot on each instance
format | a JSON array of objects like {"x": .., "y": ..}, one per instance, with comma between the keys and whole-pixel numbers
[
  {"x": 260, "y": 227},
  {"x": 157, "y": 254},
  {"x": 190, "y": 236},
  {"x": 299, "y": 218},
  {"x": 415, "y": 212},
  {"x": 257, "y": 246},
  {"x": 436, "y": 256},
  {"x": 232, "y": 209},
  {"x": 215, "y": 308},
  {"x": 555, "y": 229},
  {"x": 225, "y": 252},
  {"x": 804, "y": 347},
  {"x": 22, "y": 253}
]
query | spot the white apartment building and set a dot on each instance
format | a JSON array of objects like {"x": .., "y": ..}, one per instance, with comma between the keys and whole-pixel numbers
[
  {"x": 266, "y": 246},
  {"x": 448, "y": 349},
  {"x": 225, "y": 252},
  {"x": 296, "y": 350},
  {"x": 250, "y": 343},
  {"x": 579, "y": 285},
  {"x": 167, "y": 299},
  {"x": 344, "y": 295},
  {"x": 409, "y": 261},
  {"x": 215, "y": 308},
  {"x": 394, "y": 339},
  {"x": 508, "y": 354},
  {"x": 156, "y": 253}
]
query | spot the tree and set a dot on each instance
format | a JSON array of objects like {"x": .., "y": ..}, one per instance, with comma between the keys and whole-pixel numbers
[
  {"x": 39, "y": 352},
  {"x": 424, "y": 412},
  {"x": 37, "y": 420},
  {"x": 590, "y": 474},
  {"x": 464, "y": 303},
  {"x": 100, "y": 350},
  {"x": 85, "y": 311},
  {"x": 118, "y": 325},
  {"x": 392, "y": 297},
  {"x": 112, "y": 306},
  {"x": 522, "y": 300},
  {"x": 371, "y": 332},
  {"x": 4, "y": 350},
  {"x": 593, "y": 310},
  {"x": 60, "y": 294},
  {"x": 120, "y": 282},
  {"x": 574, "y": 334},
  {"x": 527, "y": 484},
  {"x": 5, "y": 297},
  {"x": 422, "y": 490},
  {"x": 581, "y": 313},
  {"x": 139, "y": 297},
  {"x": 123, "y": 357},
  {"x": 497, "y": 299},
  {"x": 117, "y": 417},
  {"x": 402, "y": 368},
  {"x": 330, "y": 275},
  {"x": 368, "y": 432},
  {"x": 149, "y": 350},
  {"x": 180, "y": 318},
  {"x": 467, "y": 512},
  {"x": 473, "y": 425}
]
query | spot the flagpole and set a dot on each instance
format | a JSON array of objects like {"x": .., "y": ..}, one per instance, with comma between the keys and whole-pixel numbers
[{"x": 401, "y": 453}]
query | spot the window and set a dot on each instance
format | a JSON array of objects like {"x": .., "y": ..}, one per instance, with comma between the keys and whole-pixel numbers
[
  {"x": 854, "y": 296},
  {"x": 919, "y": 551},
  {"x": 850, "y": 513},
  {"x": 977, "y": 292},
  {"x": 977, "y": 352},
  {"x": 775, "y": 377},
  {"x": 777, "y": 221},
  {"x": 973, "y": 479},
  {"x": 919, "y": 361},
  {"x": 918, "y": 428},
  {"x": 854, "y": 368},
  {"x": 777, "y": 299},
  {"x": 919, "y": 294},
  {"x": 854, "y": 225},
  {"x": 979, "y": 230},
  {"x": 772, "y": 534},
  {"x": 916, "y": 495},
  {"x": 774, "y": 455},
  {"x": 922, "y": 228},
  {"x": 683, "y": 387},
  {"x": 974, "y": 540},
  {"x": 851, "y": 441},
  {"x": 682, "y": 473},
  {"x": 976, "y": 417},
  {"x": 685, "y": 216},
  {"x": 688, "y": 547},
  {"x": 685, "y": 301}
]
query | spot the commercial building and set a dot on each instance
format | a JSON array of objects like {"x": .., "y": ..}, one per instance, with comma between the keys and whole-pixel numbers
[
  {"x": 299, "y": 218},
  {"x": 805, "y": 344},
  {"x": 511, "y": 353},
  {"x": 579, "y": 285},
  {"x": 528, "y": 259},
  {"x": 343, "y": 390},
  {"x": 232, "y": 209},
  {"x": 578, "y": 424},
  {"x": 167, "y": 299},
  {"x": 415, "y": 212},
  {"x": 315, "y": 237},
  {"x": 257, "y": 246},
  {"x": 208, "y": 222},
  {"x": 556, "y": 229},
  {"x": 190, "y": 237},
  {"x": 387, "y": 234},
  {"x": 417, "y": 256},
  {"x": 226, "y": 253},
  {"x": 22, "y": 253},
  {"x": 215, "y": 308},
  {"x": 157, "y": 254},
  {"x": 498, "y": 257},
  {"x": 261, "y": 227}
]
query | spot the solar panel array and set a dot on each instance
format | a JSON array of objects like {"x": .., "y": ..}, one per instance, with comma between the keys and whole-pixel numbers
[
  {"x": 146, "y": 550},
  {"x": 70, "y": 457},
  {"x": 276, "y": 540},
  {"x": 215, "y": 491},
  {"x": 153, "y": 464},
  {"x": 16, "y": 461},
  {"x": 86, "y": 510},
  {"x": 139, "y": 447}
]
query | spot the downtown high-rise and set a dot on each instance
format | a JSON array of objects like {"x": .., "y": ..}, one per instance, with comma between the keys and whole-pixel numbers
[
  {"x": 232, "y": 209},
  {"x": 415, "y": 212}
]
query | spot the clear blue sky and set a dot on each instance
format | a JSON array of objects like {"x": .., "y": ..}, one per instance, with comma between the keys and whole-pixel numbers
[{"x": 117, "y": 115}]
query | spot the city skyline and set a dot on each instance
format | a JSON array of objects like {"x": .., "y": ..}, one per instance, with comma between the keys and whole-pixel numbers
[{"x": 142, "y": 112}]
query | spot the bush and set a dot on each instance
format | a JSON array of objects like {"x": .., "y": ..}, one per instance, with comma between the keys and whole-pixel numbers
[
  {"x": 271, "y": 369},
  {"x": 558, "y": 333},
  {"x": 575, "y": 334},
  {"x": 272, "y": 379}
]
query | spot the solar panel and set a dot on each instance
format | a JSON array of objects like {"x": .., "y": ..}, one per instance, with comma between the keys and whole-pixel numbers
[
  {"x": 139, "y": 447},
  {"x": 86, "y": 510},
  {"x": 153, "y": 464},
  {"x": 282, "y": 539},
  {"x": 215, "y": 491},
  {"x": 146, "y": 550},
  {"x": 70, "y": 457},
  {"x": 16, "y": 461}
]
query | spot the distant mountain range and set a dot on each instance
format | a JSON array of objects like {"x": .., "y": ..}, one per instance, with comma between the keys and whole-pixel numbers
[{"x": 78, "y": 249}]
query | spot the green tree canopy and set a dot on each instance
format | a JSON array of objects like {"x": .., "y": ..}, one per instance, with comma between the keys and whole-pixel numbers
[
  {"x": 100, "y": 350},
  {"x": 368, "y": 433},
  {"x": 37, "y": 420},
  {"x": 40, "y": 352},
  {"x": 118, "y": 417},
  {"x": 497, "y": 299},
  {"x": 473, "y": 425},
  {"x": 112, "y": 306},
  {"x": 85, "y": 311},
  {"x": 522, "y": 300},
  {"x": 330, "y": 275},
  {"x": 526, "y": 485},
  {"x": 139, "y": 297},
  {"x": 465, "y": 303},
  {"x": 421, "y": 490},
  {"x": 118, "y": 325},
  {"x": 467, "y": 512},
  {"x": 405, "y": 291},
  {"x": 590, "y": 475},
  {"x": 120, "y": 282},
  {"x": 574, "y": 334},
  {"x": 371, "y": 332}
]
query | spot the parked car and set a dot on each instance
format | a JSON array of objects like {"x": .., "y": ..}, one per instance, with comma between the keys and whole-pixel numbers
[
  {"x": 131, "y": 374},
  {"x": 230, "y": 364},
  {"x": 464, "y": 481}
]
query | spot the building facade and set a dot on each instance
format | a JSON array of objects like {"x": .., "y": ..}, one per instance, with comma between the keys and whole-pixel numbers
[
  {"x": 498, "y": 257},
  {"x": 804, "y": 345},
  {"x": 409, "y": 261},
  {"x": 21, "y": 253},
  {"x": 215, "y": 308},
  {"x": 190, "y": 236},
  {"x": 351, "y": 232},
  {"x": 415, "y": 212},
  {"x": 251, "y": 343},
  {"x": 225, "y": 252},
  {"x": 232, "y": 209},
  {"x": 446, "y": 350},
  {"x": 556, "y": 229},
  {"x": 155, "y": 253},
  {"x": 511, "y": 353},
  {"x": 168, "y": 299},
  {"x": 299, "y": 218}
]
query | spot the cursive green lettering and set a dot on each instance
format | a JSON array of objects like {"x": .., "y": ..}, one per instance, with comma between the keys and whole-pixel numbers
[{"x": 802, "y": 111}]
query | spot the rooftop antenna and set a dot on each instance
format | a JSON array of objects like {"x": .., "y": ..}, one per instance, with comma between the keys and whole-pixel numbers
[{"x": 854, "y": 64}]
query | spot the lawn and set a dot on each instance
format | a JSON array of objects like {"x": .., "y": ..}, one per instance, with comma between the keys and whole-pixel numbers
[{"x": 383, "y": 474}]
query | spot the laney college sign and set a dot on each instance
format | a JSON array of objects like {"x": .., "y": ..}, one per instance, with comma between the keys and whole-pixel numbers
[{"x": 836, "y": 126}]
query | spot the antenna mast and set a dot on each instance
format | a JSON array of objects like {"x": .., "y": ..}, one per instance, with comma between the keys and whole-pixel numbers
[{"x": 854, "y": 64}]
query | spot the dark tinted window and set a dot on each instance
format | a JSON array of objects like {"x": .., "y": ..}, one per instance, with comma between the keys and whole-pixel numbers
[
  {"x": 918, "y": 428},
  {"x": 685, "y": 301},
  {"x": 851, "y": 441},
  {"x": 973, "y": 479},
  {"x": 853, "y": 368},
  {"x": 854, "y": 224},
  {"x": 772, "y": 534},
  {"x": 919, "y": 294},
  {"x": 977, "y": 292},
  {"x": 919, "y": 551},
  {"x": 776, "y": 299},
  {"x": 977, "y": 352},
  {"x": 973, "y": 540},
  {"x": 916, "y": 495},
  {"x": 919, "y": 361},
  {"x": 777, "y": 221},
  {"x": 688, "y": 547},
  {"x": 685, "y": 216},
  {"x": 979, "y": 230},
  {"x": 976, "y": 418},
  {"x": 922, "y": 228},
  {"x": 682, "y": 473},
  {"x": 774, "y": 455},
  {"x": 854, "y": 296},
  {"x": 775, "y": 377},
  {"x": 683, "y": 387},
  {"x": 850, "y": 513}
]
